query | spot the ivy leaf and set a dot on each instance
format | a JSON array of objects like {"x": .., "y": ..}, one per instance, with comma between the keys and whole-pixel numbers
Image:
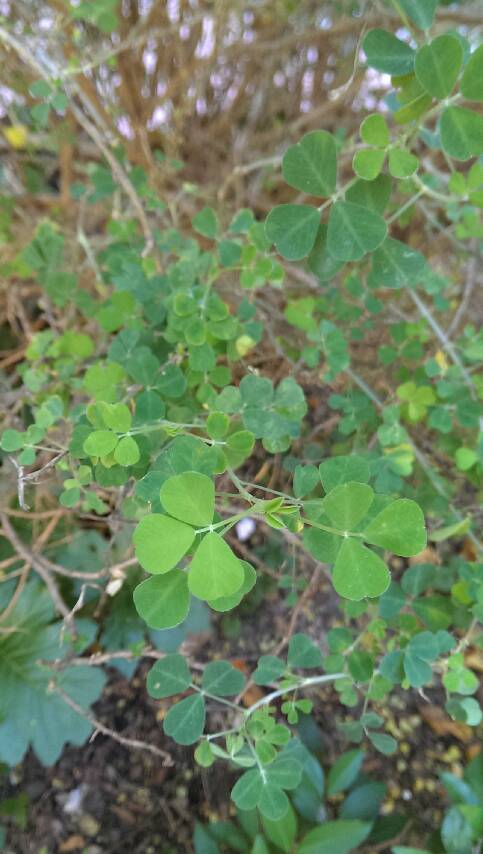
[
  {"x": 353, "y": 231},
  {"x": 303, "y": 653},
  {"x": 163, "y": 600},
  {"x": 222, "y": 679},
  {"x": 438, "y": 64},
  {"x": 189, "y": 497},
  {"x": 471, "y": 87},
  {"x": 399, "y": 528},
  {"x": 342, "y": 469},
  {"x": 160, "y": 542},
  {"x": 293, "y": 229},
  {"x": 185, "y": 721},
  {"x": 387, "y": 53},
  {"x": 359, "y": 573},
  {"x": 214, "y": 570},
  {"x": 126, "y": 452},
  {"x": 311, "y": 165},
  {"x": 100, "y": 443},
  {"x": 347, "y": 504},
  {"x": 168, "y": 676},
  {"x": 461, "y": 133}
]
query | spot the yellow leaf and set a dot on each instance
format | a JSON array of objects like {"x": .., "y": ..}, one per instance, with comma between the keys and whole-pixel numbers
[
  {"x": 441, "y": 361},
  {"x": 16, "y": 135}
]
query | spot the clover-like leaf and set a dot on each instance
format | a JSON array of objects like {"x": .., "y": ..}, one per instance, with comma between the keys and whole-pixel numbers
[
  {"x": 302, "y": 652},
  {"x": 185, "y": 721},
  {"x": 189, "y": 497},
  {"x": 347, "y": 504},
  {"x": 387, "y": 53},
  {"x": 214, "y": 571},
  {"x": 438, "y": 64},
  {"x": 353, "y": 231},
  {"x": 222, "y": 679},
  {"x": 461, "y": 133},
  {"x": 100, "y": 443},
  {"x": 168, "y": 676},
  {"x": 293, "y": 229},
  {"x": 399, "y": 528},
  {"x": 342, "y": 469},
  {"x": 471, "y": 86},
  {"x": 160, "y": 542},
  {"x": 358, "y": 572},
  {"x": 126, "y": 452},
  {"x": 311, "y": 165},
  {"x": 163, "y": 600}
]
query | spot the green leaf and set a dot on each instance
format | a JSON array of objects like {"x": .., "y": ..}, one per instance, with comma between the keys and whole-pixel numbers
[
  {"x": 214, "y": 570},
  {"x": 461, "y": 133},
  {"x": 168, "y": 676},
  {"x": 282, "y": 832},
  {"x": 127, "y": 452},
  {"x": 374, "y": 131},
  {"x": 395, "y": 264},
  {"x": 344, "y": 771},
  {"x": 438, "y": 64},
  {"x": 269, "y": 669},
  {"x": 421, "y": 12},
  {"x": 160, "y": 542},
  {"x": 100, "y": 443},
  {"x": 12, "y": 440},
  {"x": 399, "y": 528},
  {"x": 402, "y": 164},
  {"x": 320, "y": 262},
  {"x": 305, "y": 480},
  {"x": 336, "y": 837},
  {"x": 311, "y": 165},
  {"x": 417, "y": 671},
  {"x": 206, "y": 223},
  {"x": 387, "y": 53},
  {"x": 471, "y": 87},
  {"x": 303, "y": 653},
  {"x": 343, "y": 469},
  {"x": 353, "y": 231},
  {"x": 116, "y": 416},
  {"x": 368, "y": 162},
  {"x": 359, "y": 573},
  {"x": 383, "y": 743},
  {"x": 347, "y": 504},
  {"x": 189, "y": 497},
  {"x": 371, "y": 194},
  {"x": 273, "y": 802},
  {"x": 293, "y": 229},
  {"x": 364, "y": 802},
  {"x": 222, "y": 679},
  {"x": 163, "y": 600},
  {"x": 31, "y": 714},
  {"x": 227, "y": 603},
  {"x": 185, "y": 721},
  {"x": 247, "y": 790}
]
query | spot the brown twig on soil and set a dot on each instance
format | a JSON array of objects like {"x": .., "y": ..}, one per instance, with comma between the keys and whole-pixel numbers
[{"x": 99, "y": 727}]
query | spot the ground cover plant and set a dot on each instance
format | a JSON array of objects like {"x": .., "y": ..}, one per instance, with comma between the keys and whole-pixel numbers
[{"x": 215, "y": 403}]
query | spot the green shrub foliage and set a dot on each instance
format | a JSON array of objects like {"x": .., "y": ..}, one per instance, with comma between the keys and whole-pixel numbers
[{"x": 160, "y": 411}]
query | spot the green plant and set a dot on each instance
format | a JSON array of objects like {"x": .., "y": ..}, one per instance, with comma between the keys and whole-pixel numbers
[{"x": 151, "y": 407}]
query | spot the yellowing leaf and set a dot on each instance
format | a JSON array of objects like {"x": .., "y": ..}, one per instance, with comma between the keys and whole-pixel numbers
[{"x": 16, "y": 135}]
